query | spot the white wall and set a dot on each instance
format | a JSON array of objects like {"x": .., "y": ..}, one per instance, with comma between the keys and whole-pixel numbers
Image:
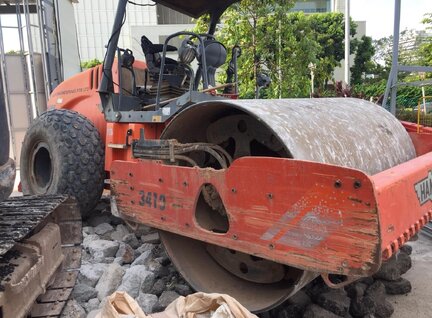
[
  {"x": 340, "y": 71},
  {"x": 94, "y": 19},
  {"x": 68, "y": 39}
]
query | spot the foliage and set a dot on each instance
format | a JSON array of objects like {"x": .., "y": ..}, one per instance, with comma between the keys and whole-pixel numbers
[
  {"x": 363, "y": 59},
  {"x": 90, "y": 63},
  {"x": 281, "y": 44},
  {"x": 14, "y": 52},
  {"x": 329, "y": 32},
  {"x": 407, "y": 96},
  {"x": 425, "y": 50},
  {"x": 411, "y": 116}
]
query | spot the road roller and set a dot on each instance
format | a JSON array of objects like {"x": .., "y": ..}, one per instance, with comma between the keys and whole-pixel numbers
[{"x": 252, "y": 198}]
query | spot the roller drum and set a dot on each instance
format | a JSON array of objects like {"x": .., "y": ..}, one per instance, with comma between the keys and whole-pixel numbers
[{"x": 341, "y": 131}]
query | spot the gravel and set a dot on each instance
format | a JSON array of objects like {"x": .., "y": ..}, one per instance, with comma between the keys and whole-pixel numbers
[{"x": 116, "y": 257}]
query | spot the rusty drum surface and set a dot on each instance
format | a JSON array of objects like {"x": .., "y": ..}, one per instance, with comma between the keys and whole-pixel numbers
[{"x": 341, "y": 131}]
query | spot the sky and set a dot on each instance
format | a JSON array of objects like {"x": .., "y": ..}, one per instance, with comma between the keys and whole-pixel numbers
[{"x": 379, "y": 15}]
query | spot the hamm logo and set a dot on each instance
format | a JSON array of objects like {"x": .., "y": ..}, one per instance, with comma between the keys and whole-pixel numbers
[{"x": 423, "y": 189}]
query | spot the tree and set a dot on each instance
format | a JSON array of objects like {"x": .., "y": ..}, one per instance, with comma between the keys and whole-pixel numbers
[
  {"x": 409, "y": 53},
  {"x": 281, "y": 44},
  {"x": 255, "y": 27},
  {"x": 363, "y": 59},
  {"x": 425, "y": 50},
  {"x": 328, "y": 30}
]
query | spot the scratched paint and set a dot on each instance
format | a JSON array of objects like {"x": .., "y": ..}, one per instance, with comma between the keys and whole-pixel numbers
[{"x": 312, "y": 229}]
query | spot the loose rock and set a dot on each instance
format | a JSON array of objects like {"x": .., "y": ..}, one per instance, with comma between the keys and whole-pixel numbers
[
  {"x": 88, "y": 230},
  {"x": 167, "y": 298},
  {"x": 88, "y": 239},
  {"x": 147, "y": 302},
  {"x": 93, "y": 313},
  {"x": 182, "y": 289},
  {"x": 376, "y": 290},
  {"x": 131, "y": 240},
  {"x": 145, "y": 247},
  {"x": 90, "y": 274},
  {"x": 335, "y": 301},
  {"x": 152, "y": 238},
  {"x": 315, "y": 311},
  {"x": 83, "y": 293},
  {"x": 407, "y": 249},
  {"x": 143, "y": 258},
  {"x": 390, "y": 270},
  {"x": 109, "y": 280},
  {"x": 384, "y": 309},
  {"x": 103, "y": 229},
  {"x": 356, "y": 290},
  {"x": 92, "y": 304},
  {"x": 143, "y": 230},
  {"x": 159, "y": 286},
  {"x": 135, "y": 279},
  {"x": 404, "y": 262},
  {"x": 73, "y": 310},
  {"x": 362, "y": 306},
  {"x": 126, "y": 253},
  {"x": 103, "y": 248},
  {"x": 397, "y": 287}
]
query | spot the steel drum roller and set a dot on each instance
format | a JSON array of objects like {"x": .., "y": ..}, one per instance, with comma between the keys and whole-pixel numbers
[{"x": 341, "y": 131}]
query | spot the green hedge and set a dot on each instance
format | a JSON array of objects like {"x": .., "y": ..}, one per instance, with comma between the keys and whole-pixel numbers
[
  {"x": 411, "y": 116},
  {"x": 407, "y": 96}
]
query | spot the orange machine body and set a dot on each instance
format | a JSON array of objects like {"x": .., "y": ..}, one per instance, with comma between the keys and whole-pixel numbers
[{"x": 274, "y": 205}]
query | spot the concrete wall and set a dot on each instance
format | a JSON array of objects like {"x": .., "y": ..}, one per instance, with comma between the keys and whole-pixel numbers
[
  {"x": 340, "y": 71},
  {"x": 21, "y": 111},
  {"x": 68, "y": 39}
]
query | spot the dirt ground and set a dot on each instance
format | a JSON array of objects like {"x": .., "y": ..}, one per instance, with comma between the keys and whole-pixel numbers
[{"x": 418, "y": 303}]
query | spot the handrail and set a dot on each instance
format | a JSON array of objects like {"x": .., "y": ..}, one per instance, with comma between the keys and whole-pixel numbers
[{"x": 418, "y": 110}]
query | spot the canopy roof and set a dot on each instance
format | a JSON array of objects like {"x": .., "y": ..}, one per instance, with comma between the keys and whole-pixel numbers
[{"x": 196, "y": 8}]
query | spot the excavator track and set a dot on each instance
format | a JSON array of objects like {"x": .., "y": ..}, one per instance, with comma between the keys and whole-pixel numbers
[{"x": 28, "y": 225}]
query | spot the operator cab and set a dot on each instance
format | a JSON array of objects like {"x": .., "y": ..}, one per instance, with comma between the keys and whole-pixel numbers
[
  {"x": 167, "y": 85},
  {"x": 177, "y": 76}
]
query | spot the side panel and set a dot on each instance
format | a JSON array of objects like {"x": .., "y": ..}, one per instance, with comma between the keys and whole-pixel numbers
[
  {"x": 312, "y": 216},
  {"x": 404, "y": 195}
]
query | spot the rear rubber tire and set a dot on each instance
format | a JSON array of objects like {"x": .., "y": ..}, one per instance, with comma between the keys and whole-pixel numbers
[{"x": 63, "y": 153}]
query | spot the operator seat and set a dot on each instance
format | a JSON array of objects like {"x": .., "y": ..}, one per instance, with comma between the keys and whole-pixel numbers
[{"x": 153, "y": 58}]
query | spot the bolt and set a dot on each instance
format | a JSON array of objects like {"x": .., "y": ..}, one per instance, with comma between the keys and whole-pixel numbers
[
  {"x": 338, "y": 184},
  {"x": 131, "y": 188},
  {"x": 130, "y": 174},
  {"x": 163, "y": 218},
  {"x": 269, "y": 196},
  {"x": 271, "y": 246},
  {"x": 357, "y": 184},
  {"x": 234, "y": 190},
  {"x": 185, "y": 184},
  {"x": 132, "y": 202},
  {"x": 160, "y": 180},
  {"x": 235, "y": 237}
]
